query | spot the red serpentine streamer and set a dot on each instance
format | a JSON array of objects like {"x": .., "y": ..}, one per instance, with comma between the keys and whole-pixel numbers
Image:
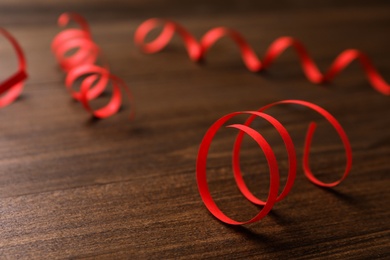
[
  {"x": 13, "y": 86},
  {"x": 197, "y": 51},
  {"x": 273, "y": 197},
  {"x": 81, "y": 64}
]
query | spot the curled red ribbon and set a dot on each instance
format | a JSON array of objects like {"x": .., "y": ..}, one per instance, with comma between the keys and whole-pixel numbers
[
  {"x": 273, "y": 196},
  {"x": 13, "y": 86},
  {"x": 81, "y": 64},
  {"x": 197, "y": 51}
]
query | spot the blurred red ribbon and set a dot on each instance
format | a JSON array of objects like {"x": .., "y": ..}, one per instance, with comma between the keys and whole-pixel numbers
[
  {"x": 81, "y": 64},
  {"x": 12, "y": 87}
]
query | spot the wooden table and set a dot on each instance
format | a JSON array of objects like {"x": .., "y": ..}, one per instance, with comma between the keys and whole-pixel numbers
[{"x": 73, "y": 187}]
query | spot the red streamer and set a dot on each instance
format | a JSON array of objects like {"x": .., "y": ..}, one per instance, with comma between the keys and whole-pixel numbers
[
  {"x": 273, "y": 196},
  {"x": 81, "y": 64},
  {"x": 197, "y": 51},
  {"x": 13, "y": 86}
]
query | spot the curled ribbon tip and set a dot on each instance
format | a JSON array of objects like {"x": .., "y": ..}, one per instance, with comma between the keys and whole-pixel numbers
[
  {"x": 12, "y": 87},
  {"x": 273, "y": 195},
  {"x": 197, "y": 50},
  {"x": 81, "y": 64},
  {"x": 65, "y": 18}
]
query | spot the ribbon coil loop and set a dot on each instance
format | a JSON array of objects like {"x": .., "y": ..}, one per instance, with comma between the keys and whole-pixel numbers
[{"x": 273, "y": 196}]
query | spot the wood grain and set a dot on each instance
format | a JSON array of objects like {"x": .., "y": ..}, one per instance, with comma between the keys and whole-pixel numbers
[{"x": 72, "y": 187}]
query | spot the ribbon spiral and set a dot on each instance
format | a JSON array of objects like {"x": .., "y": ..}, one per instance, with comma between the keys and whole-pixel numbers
[
  {"x": 13, "y": 86},
  {"x": 197, "y": 51},
  {"x": 245, "y": 128},
  {"x": 77, "y": 55}
]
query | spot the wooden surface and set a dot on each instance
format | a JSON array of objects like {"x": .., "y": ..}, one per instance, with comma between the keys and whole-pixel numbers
[{"x": 72, "y": 187}]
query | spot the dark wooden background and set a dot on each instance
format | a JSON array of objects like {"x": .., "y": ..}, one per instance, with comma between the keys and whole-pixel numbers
[{"x": 72, "y": 187}]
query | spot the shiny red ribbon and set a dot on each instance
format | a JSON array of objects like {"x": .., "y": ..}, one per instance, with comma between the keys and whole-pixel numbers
[
  {"x": 197, "y": 51},
  {"x": 81, "y": 64},
  {"x": 13, "y": 86},
  {"x": 273, "y": 196}
]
